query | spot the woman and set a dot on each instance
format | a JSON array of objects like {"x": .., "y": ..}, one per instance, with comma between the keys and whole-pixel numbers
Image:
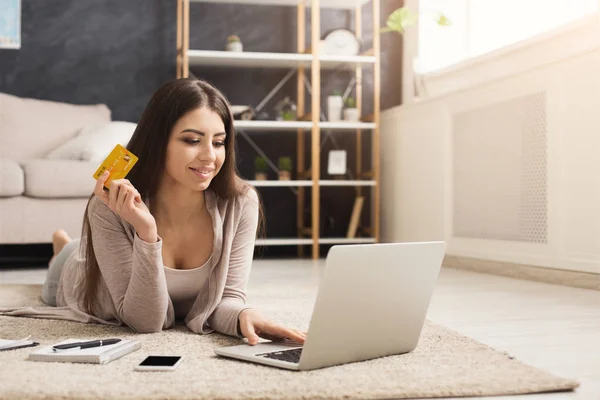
[{"x": 176, "y": 239}]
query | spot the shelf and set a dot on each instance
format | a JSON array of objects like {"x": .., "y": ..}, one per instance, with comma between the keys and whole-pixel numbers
[
  {"x": 343, "y": 62},
  {"x": 308, "y": 241},
  {"x": 295, "y": 125},
  {"x": 272, "y": 125},
  {"x": 336, "y": 4},
  {"x": 347, "y": 125},
  {"x": 346, "y": 240},
  {"x": 283, "y": 242},
  {"x": 277, "y": 183},
  {"x": 219, "y": 58},
  {"x": 346, "y": 183}
]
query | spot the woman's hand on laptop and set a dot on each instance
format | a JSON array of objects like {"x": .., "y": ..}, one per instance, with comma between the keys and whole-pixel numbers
[{"x": 253, "y": 325}]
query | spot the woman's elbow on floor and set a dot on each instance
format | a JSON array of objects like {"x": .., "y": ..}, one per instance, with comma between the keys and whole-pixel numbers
[
  {"x": 146, "y": 328},
  {"x": 144, "y": 320}
]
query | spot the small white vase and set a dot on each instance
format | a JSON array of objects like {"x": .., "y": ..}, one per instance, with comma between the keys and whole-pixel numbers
[
  {"x": 235, "y": 46},
  {"x": 351, "y": 114},
  {"x": 334, "y": 108}
]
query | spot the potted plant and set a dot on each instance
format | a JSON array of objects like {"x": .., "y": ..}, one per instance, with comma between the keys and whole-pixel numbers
[
  {"x": 234, "y": 43},
  {"x": 285, "y": 168},
  {"x": 404, "y": 17},
  {"x": 260, "y": 169},
  {"x": 351, "y": 112},
  {"x": 335, "y": 103},
  {"x": 398, "y": 21},
  {"x": 286, "y": 110}
]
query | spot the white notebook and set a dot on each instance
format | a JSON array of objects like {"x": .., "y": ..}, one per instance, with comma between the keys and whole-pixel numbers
[
  {"x": 93, "y": 355},
  {"x": 16, "y": 344}
]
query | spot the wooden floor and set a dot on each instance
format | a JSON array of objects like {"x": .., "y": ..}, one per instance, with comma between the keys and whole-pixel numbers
[{"x": 552, "y": 327}]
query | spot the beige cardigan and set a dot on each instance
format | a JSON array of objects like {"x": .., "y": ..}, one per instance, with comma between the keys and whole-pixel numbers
[{"x": 133, "y": 289}]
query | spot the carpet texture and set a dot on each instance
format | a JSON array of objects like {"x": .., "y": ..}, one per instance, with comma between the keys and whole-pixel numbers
[{"x": 445, "y": 363}]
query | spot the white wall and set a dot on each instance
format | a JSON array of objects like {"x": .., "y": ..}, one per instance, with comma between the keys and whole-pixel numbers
[{"x": 417, "y": 150}]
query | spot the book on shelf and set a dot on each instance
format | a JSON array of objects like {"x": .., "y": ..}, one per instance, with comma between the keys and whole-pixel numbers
[{"x": 355, "y": 217}]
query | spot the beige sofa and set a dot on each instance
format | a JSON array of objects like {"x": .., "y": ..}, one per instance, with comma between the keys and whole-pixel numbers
[{"x": 38, "y": 194}]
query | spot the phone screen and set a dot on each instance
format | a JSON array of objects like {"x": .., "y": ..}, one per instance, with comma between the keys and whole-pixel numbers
[{"x": 160, "y": 361}]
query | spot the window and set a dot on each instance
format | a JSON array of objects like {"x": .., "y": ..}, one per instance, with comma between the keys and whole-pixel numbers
[{"x": 480, "y": 26}]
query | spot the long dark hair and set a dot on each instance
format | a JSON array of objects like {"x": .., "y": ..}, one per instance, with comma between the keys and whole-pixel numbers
[{"x": 149, "y": 142}]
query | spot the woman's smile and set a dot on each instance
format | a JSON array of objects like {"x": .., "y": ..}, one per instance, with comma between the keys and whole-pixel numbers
[{"x": 202, "y": 173}]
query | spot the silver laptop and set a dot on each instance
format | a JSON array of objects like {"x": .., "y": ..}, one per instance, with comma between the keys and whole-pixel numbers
[{"x": 371, "y": 303}]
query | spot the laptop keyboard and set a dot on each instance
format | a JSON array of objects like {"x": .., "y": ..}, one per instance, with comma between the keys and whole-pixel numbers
[{"x": 292, "y": 355}]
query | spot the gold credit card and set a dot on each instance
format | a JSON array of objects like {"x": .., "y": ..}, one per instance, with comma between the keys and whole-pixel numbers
[{"x": 118, "y": 163}]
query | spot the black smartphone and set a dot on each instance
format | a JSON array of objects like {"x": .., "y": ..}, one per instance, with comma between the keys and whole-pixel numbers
[{"x": 159, "y": 363}]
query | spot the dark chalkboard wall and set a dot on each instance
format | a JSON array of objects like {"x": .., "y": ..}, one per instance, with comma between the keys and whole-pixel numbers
[{"x": 118, "y": 52}]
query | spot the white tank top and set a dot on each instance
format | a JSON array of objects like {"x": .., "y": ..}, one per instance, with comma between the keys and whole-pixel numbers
[{"x": 184, "y": 285}]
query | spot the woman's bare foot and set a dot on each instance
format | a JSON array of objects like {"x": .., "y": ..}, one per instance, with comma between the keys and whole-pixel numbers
[{"x": 59, "y": 240}]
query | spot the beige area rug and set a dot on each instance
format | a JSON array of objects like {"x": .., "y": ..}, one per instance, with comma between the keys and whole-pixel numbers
[{"x": 445, "y": 363}]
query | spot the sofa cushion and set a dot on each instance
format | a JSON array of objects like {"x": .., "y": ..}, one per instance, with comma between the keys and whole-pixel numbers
[
  {"x": 59, "y": 178},
  {"x": 94, "y": 143},
  {"x": 31, "y": 128},
  {"x": 12, "y": 182}
]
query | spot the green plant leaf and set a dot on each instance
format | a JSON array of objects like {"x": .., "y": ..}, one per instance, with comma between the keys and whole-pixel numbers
[
  {"x": 443, "y": 20},
  {"x": 285, "y": 163},
  {"x": 399, "y": 19},
  {"x": 260, "y": 164}
]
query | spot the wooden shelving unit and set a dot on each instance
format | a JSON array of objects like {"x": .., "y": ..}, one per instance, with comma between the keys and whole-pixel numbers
[
  {"x": 273, "y": 60},
  {"x": 333, "y": 4},
  {"x": 308, "y": 241},
  {"x": 305, "y": 183},
  {"x": 305, "y": 62},
  {"x": 305, "y": 125}
]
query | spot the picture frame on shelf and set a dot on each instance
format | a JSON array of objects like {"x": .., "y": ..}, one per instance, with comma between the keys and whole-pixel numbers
[{"x": 336, "y": 162}]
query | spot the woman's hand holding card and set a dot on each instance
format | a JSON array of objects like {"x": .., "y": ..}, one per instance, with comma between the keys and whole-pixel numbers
[{"x": 122, "y": 197}]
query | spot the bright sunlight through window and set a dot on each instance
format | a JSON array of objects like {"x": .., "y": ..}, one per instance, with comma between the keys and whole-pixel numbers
[{"x": 480, "y": 26}]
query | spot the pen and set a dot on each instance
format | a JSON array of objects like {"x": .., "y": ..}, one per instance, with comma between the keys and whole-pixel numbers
[{"x": 85, "y": 345}]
